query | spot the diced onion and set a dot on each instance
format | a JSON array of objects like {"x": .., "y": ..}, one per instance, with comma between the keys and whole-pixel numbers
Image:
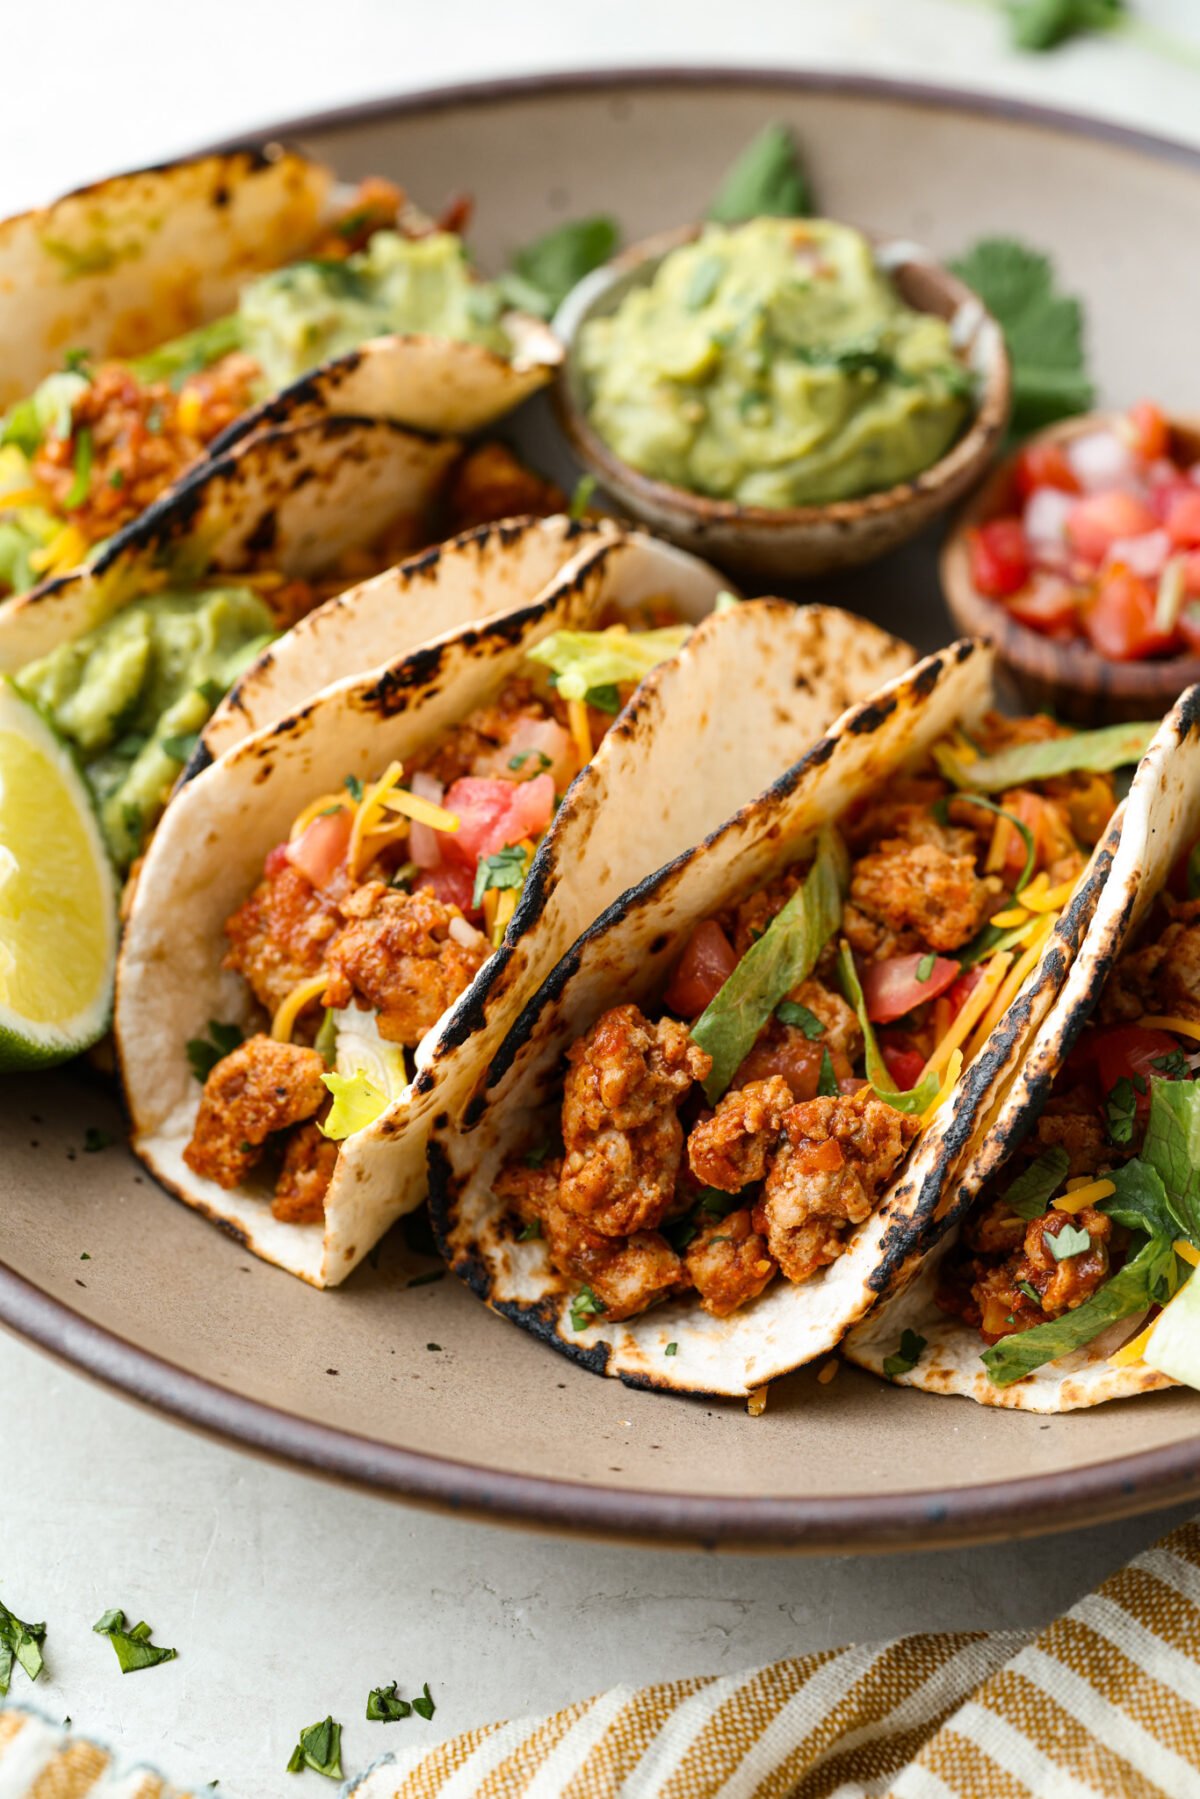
[
  {"x": 1046, "y": 515},
  {"x": 1100, "y": 459},
  {"x": 422, "y": 838}
]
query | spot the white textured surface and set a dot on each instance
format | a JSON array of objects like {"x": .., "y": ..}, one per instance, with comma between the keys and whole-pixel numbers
[{"x": 285, "y": 1598}]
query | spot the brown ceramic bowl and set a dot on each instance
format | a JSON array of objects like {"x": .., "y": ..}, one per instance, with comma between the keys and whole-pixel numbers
[
  {"x": 1068, "y": 677},
  {"x": 792, "y": 542}
]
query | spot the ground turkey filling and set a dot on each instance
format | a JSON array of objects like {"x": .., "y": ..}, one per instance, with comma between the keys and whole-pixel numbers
[
  {"x": 1002, "y": 1275},
  {"x": 655, "y": 1192},
  {"x": 399, "y": 941}
]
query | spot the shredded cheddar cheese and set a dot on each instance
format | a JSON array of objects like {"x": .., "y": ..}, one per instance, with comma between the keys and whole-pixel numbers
[
  {"x": 1132, "y": 1351},
  {"x": 421, "y": 811},
  {"x": 1168, "y": 1021},
  {"x": 187, "y": 413},
  {"x": 66, "y": 550},
  {"x": 756, "y": 1403},
  {"x": 581, "y": 730},
  {"x": 828, "y": 1371},
  {"x": 954, "y": 1068},
  {"x": 973, "y": 1007},
  {"x": 284, "y": 1021},
  {"x": 1005, "y": 921},
  {"x": 1013, "y": 983},
  {"x": 365, "y": 813},
  {"x": 1002, "y": 835},
  {"x": 506, "y": 906},
  {"x": 1049, "y": 900},
  {"x": 325, "y": 802},
  {"x": 1087, "y": 1193},
  {"x": 1188, "y": 1251},
  {"x": 22, "y": 496}
]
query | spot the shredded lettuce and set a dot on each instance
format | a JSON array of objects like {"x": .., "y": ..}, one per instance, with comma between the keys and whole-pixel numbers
[
  {"x": 1095, "y": 751},
  {"x": 357, "y": 1102},
  {"x": 1031, "y": 1192},
  {"x": 784, "y": 955},
  {"x": 367, "y": 1076},
  {"x": 918, "y": 1098},
  {"x": 1172, "y": 1148},
  {"x": 1174, "y": 1346},
  {"x": 195, "y": 350},
  {"x": 585, "y": 660},
  {"x": 941, "y": 812}
]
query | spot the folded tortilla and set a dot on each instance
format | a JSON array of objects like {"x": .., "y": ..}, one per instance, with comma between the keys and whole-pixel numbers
[
  {"x": 700, "y": 736},
  {"x": 1161, "y": 818},
  {"x": 123, "y": 266},
  {"x": 627, "y": 954},
  {"x": 298, "y": 496}
]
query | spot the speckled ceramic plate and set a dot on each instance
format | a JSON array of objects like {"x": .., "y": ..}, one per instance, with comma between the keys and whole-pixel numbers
[{"x": 400, "y": 1381}]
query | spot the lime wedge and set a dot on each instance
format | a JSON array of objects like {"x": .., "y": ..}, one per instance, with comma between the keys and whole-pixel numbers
[{"x": 58, "y": 897}]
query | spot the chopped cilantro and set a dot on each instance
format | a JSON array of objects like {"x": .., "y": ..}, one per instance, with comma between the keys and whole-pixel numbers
[
  {"x": 585, "y": 487},
  {"x": 716, "y": 1203},
  {"x": 544, "y": 272},
  {"x": 788, "y": 1011},
  {"x": 1173, "y": 1066},
  {"x": 1030, "y": 1292},
  {"x": 529, "y": 1231},
  {"x": 354, "y": 786},
  {"x": 179, "y": 747},
  {"x": 203, "y": 1053},
  {"x": 765, "y": 180},
  {"x": 20, "y": 1643},
  {"x": 1042, "y": 328},
  {"x": 671, "y": 1349},
  {"x": 77, "y": 493},
  {"x": 1072, "y": 1240},
  {"x": 211, "y": 692},
  {"x": 827, "y": 1081},
  {"x": 424, "y": 1706},
  {"x": 1120, "y": 1110},
  {"x": 585, "y": 1307},
  {"x": 79, "y": 362},
  {"x": 505, "y": 868},
  {"x": 319, "y": 1748},
  {"x": 1031, "y": 1192},
  {"x": 385, "y": 1706},
  {"x": 94, "y": 1140},
  {"x": 606, "y": 698},
  {"x": 906, "y": 1356},
  {"x": 117, "y": 479},
  {"x": 925, "y": 967},
  {"x": 134, "y": 1648},
  {"x": 517, "y": 762}
]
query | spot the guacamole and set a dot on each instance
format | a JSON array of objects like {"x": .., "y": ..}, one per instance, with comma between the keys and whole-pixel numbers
[
  {"x": 131, "y": 696},
  {"x": 773, "y": 364},
  {"x": 296, "y": 317}
]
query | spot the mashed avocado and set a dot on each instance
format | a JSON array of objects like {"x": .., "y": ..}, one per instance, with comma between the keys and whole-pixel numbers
[
  {"x": 132, "y": 695},
  {"x": 296, "y": 317},
  {"x": 775, "y": 365}
]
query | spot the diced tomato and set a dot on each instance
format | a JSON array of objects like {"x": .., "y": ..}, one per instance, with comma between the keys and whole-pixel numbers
[
  {"x": 1044, "y": 465},
  {"x": 703, "y": 969},
  {"x": 999, "y": 557},
  {"x": 451, "y": 883},
  {"x": 537, "y": 746},
  {"x": 493, "y": 814},
  {"x": 277, "y": 860},
  {"x": 1128, "y": 1052},
  {"x": 1152, "y": 434},
  {"x": 904, "y": 1063},
  {"x": 1047, "y": 604},
  {"x": 1120, "y": 619},
  {"x": 1100, "y": 519},
  {"x": 893, "y": 987},
  {"x": 962, "y": 989},
  {"x": 1182, "y": 517},
  {"x": 321, "y": 847}
]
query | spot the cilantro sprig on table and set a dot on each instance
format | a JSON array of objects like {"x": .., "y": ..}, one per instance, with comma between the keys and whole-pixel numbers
[
  {"x": 20, "y": 1645},
  {"x": 132, "y": 1644}
]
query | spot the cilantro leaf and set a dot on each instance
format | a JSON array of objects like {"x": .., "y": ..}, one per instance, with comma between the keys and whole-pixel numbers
[
  {"x": 133, "y": 1646},
  {"x": 788, "y": 1011},
  {"x": 766, "y": 180},
  {"x": 827, "y": 1081},
  {"x": 906, "y": 1356},
  {"x": 585, "y": 487},
  {"x": 1031, "y": 1192},
  {"x": 20, "y": 1643},
  {"x": 1042, "y": 328},
  {"x": 585, "y": 1308},
  {"x": 424, "y": 1706},
  {"x": 505, "y": 868},
  {"x": 1141, "y": 1202},
  {"x": 385, "y": 1706},
  {"x": 203, "y": 1053},
  {"x": 783, "y": 956},
  {"x": 1072, "y": 1240},
  {"x": 671, "y": 1349},
  {"x": 547, "y": 269},
  {"x": 319, "y": 1748},
  {"x": 1040, "y": 25},
  {"x": 1131, "y": 1289},
  {"x": 1120, "y": 1111}
]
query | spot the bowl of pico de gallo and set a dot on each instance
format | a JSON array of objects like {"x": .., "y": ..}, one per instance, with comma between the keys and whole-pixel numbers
[{"x": 1080, "y": 559}]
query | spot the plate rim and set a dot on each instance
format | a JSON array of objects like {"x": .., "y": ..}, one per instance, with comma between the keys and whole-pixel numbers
[{"x": 1097, "y": 1492}]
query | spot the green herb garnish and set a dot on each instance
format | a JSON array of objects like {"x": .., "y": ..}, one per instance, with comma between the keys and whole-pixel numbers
[
  {"x": 1031, "y": 1192},
  {"x": 133, "y": 1646},
  {"x": 547, "y": 269},
  {"x": 765, "y": 181},
  {"x": 385, "y": 1706},
  {"x": 827, "y": 1081},
  {"x": 906, "y": 1356},
  {"x": 1043, "y": 329},
  {"x": 504, "y": 868},
  {"x": 20, "y": 1643},
  {"x": 1072, "y": 1240},
  {"x": 1120, "y": 1110},
  {"x": 788, "y": 1011},
  {"x": 423, "y": 1705},
  {"x": 180, "y": 747},
  {"x": 529, "y": 1231},
  {"x": 94, "y": 1140},
  {"x": 1030, "y": 1293},
  {"x": 319, "y": 1748},
  {"x": 203, "y": 1054},
  {"x": 354, "y": 788},
  {"x": 1041, "y": 25},
  {"x": 585, "y": 487},
  {"x": 585, "y": 1308},
  {"x": 671, "y": 1349}
]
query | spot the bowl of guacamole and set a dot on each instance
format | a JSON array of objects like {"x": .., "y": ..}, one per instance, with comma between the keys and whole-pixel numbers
[{"x": 788, "y": 395}]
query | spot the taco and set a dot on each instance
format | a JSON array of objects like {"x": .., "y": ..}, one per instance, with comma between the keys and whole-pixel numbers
[
  {"x": 130, "y": 656},
  {"x": 151, "y": 318},
  {"x": 778, "y": 1047},
  {"x": 1077, "y": 1217},
  {"x": 403, "y": 860}
]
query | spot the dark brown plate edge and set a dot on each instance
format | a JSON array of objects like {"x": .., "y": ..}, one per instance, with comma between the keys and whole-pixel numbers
[{"x": 1007, "y": 1510}]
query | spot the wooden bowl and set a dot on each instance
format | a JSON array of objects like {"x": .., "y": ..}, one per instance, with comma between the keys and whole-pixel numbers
[
  {"x": 793, "y": 542},
  {"x": 1071, "y": 678}
]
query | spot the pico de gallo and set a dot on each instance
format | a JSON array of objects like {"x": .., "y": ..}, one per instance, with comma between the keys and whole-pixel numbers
[
  {"x": 383, "y": 904},
  {"x": 809, "y": 1032},
  {"x": 1098, "y": 1223},
  {"x": 1100, "y": 541}
]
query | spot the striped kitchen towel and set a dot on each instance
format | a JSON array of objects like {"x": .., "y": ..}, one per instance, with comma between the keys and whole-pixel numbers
[{"x": 1103, "y": 1704}]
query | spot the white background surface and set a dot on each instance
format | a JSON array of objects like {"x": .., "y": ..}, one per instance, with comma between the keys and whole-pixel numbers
[{"x": 285, "y": 1598}]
